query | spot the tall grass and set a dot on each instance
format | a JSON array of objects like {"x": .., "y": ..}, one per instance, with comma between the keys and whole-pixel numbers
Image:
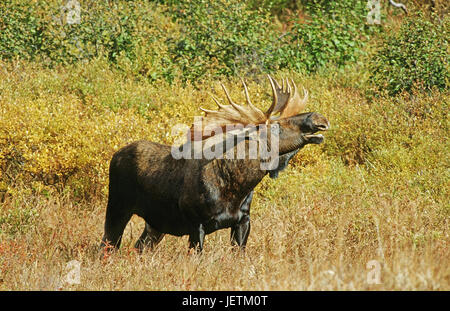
[
  {"x": 373, "y": 198},
  {"x": 377, "y": 189}
]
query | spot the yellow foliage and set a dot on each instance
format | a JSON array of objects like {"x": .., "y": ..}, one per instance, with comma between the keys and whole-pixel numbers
[
  {"x": 372, "y": 190},
  {"x": 61, "y": 127}
]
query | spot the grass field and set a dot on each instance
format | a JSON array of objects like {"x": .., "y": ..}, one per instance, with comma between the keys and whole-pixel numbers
[
  {"x": 377, "y": 189},
  {"x": 368, "y": 209}
]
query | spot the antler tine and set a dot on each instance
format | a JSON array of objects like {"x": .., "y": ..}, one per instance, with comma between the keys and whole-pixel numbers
[
  {"x": 217, "y": 102},
  {"x": 295, "y": 86},
  {"x": 305, "y": 98},
  {"x": 247, "y": 97},
  {"x": 275, "y": 96},
  {"x": 305, "y": 94},
  {"x": 207, "y": 110},
  {"x": 282, "y": 95},
  {"x": 276, "y": 82},
  {"x": 226, "y": 109},
  {"x": 256, "y": 110},
  {"x": 235, "y": 106},
  {"x": 226, "y": 93}
]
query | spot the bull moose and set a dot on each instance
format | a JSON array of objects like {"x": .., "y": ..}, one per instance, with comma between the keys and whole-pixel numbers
[{"x": 198, "y": 196}]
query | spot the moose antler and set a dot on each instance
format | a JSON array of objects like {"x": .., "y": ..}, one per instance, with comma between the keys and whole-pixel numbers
[
  {"x": 286, "y": 101},
  {"x": 233, "y": 113}
]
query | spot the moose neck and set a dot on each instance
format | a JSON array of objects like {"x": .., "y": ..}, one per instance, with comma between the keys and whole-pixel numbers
[
  {"x": 289, "y": 138},
  {"x": 290, "y": 141},
  {"x": 241, "y": 175}
]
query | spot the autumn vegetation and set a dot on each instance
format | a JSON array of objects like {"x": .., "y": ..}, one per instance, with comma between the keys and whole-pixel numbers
[{"x": 376, "y": 189}]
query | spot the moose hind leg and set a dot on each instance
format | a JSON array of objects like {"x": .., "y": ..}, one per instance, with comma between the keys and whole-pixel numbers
[
  {"x": 117, "y": 217},
  {"x": 149, "y": 238}
]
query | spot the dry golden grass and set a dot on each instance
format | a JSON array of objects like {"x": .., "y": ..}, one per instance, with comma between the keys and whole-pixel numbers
[
  {"x": 307, "y": 240},
  {"x": 377, "y": 189}
]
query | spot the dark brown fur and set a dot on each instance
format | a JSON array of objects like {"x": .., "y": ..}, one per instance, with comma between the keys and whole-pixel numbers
[{"x": 195, "y": 196}]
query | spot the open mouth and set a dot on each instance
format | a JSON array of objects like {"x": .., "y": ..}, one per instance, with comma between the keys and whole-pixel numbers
[{"x": 314, "y": 138}]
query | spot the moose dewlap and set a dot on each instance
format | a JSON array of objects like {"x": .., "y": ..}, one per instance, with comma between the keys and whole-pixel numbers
[{"x": 200, "y": 194}]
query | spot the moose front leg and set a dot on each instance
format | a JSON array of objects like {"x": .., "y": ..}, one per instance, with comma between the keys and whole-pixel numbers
[
  {"x": 240, "y": 231},
  {"x": 196, "y": 238}
]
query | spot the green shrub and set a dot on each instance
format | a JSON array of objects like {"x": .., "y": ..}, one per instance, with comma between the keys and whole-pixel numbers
[
  {"x": 204, "y": 39},
  {"x": 21, "y": 32},
  {"x": 228, "y": 37},
  {"x": 415, "y": 56},
  {"x": 220, "y": 38},
  {"x": 43, "y": 29},
  {"x": 334, "y": 35}
]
